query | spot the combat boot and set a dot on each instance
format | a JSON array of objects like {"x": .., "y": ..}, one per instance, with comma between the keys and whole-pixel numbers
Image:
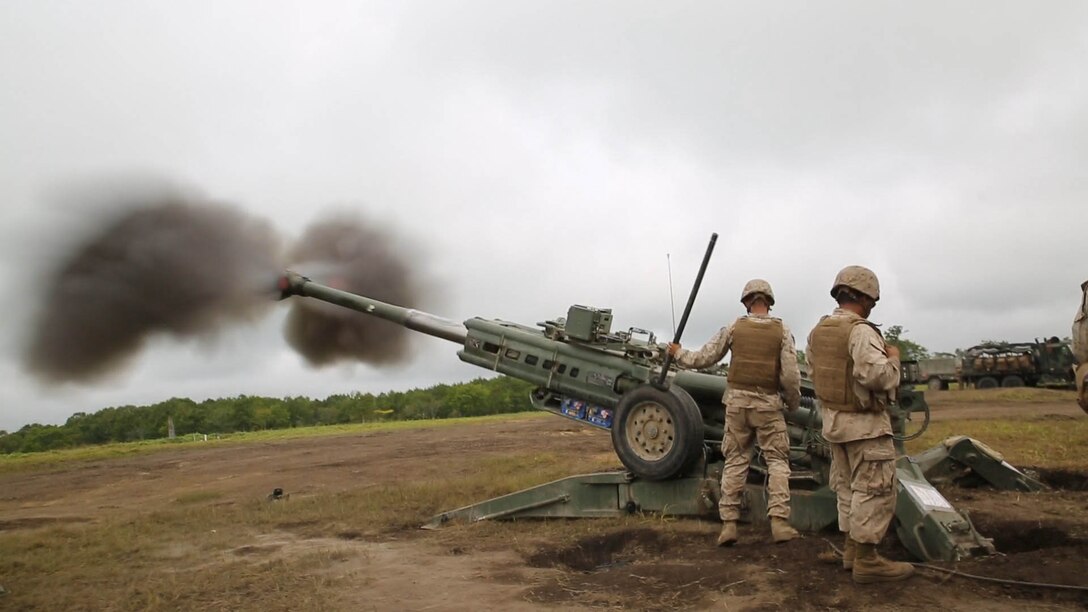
[
  {"x": 728, "y": 536},
  {"x": 781, "y": 531},
  {"x": 849, "y": 551},
  {"x": 870, "y": 567}
]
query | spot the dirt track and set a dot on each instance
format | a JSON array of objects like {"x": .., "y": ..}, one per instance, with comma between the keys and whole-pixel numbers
[{"x": 637, "y": 563}]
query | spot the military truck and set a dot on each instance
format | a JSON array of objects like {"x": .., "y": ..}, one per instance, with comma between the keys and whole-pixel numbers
[
  {"x": 1046, "y": 362},
  {"x": 935, "y": 372}
]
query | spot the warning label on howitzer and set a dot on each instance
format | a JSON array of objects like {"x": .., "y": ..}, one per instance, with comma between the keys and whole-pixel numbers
[
  {"x": 927, "y": 495},
  {"x": 598, "y": 378}
]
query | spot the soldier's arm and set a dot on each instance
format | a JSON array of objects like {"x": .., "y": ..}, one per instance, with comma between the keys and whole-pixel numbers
[
  {"x": 873, "y": 369},
  {"x": 809, "y": 355},
  {"x": 712, "y": 352},
  {"x": 790, "y": 375},
  {"x": 1080, "y": 328}
]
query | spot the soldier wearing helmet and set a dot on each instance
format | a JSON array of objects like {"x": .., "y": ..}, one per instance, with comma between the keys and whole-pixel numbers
[
  {"x": 763, "y": 371},
  {"x": 1080, "y": 347},
  {"x": 856, "y": 375}
]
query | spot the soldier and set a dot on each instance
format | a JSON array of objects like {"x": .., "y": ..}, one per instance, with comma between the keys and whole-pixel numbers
[
  {"x": 1080, "y": 347},
  {"x": 856, "y": 375},
  {"x": 764, "y": 364}
]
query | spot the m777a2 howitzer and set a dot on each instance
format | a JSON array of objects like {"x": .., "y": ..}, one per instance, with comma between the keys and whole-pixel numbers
[{"x": 668, "y": 436}]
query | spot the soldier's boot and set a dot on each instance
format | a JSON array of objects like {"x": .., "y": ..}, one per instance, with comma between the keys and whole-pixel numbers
[
  {"x": 849, "y": 552},
  {"x": 782, "y": 531},
  {"x": 870, "y": 567},
  {"x": 728, "y": 536}
]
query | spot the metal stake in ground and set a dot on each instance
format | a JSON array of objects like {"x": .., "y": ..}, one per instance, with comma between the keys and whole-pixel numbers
[{"x": 687, "y": 309}]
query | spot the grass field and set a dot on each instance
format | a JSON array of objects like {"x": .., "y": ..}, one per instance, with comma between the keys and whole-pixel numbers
[
  {"x": 17, "y": 461},
  {"x": 1055, "y": 443},
  {"x": 199, "y": 553},
  {"x": 205, "y": 551},
  {"x": 1018, "y": 395}
]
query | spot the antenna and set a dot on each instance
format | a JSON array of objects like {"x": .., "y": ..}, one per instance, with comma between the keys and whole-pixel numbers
[
  {"x": 660, "y": 384},
  {"x": 672, "y": 298}
]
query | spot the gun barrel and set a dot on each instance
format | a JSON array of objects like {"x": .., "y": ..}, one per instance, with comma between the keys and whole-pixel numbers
[{"x": 292, "y": 283}]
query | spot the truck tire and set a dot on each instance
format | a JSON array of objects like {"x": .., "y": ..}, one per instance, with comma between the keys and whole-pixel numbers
[
  {"x": 935, "y": 384},
  {"x": 1012, "y": 381},
  {"x": 986, "y": 382},
  {"x": 657, "y": 434}
]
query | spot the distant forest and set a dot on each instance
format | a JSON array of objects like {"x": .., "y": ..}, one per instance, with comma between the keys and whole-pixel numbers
[{"x": 245, "y": 413}]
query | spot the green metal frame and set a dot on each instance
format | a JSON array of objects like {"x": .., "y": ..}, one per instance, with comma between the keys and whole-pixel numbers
[
  {"x": 967, "y": 462},
  {"x": 927, "y": 524},
  {"x": 590, "y": 364}
]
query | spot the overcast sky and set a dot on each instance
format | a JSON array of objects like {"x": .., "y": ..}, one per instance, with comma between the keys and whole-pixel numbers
[{"x": 534, "y": 155}]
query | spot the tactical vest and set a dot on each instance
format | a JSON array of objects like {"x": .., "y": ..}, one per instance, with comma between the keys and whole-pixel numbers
[
  {"x": 757, "y": 349},
  {"x": 833, "y": 367}
]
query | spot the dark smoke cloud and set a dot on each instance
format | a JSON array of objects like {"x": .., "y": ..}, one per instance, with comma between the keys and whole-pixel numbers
[
  {"x": 345, "y": 253},
  {"x": 176, "y": 264},
  {"x": 162, "y": 261}
]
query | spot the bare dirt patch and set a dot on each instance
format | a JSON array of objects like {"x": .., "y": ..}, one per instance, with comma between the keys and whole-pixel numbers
[
  {"x": 641, "y": 563},
  {"x": 678, "y": 567},
  {"x": 1063, "y": 479}
]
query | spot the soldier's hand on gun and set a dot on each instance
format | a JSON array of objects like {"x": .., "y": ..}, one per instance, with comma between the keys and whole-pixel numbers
[{"x": 673, "y": 349}]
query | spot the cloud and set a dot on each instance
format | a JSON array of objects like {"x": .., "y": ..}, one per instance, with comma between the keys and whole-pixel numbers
[{"x": 540, "y": 155}]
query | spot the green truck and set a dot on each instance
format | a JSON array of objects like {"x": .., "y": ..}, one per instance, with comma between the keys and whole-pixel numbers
[
  {"x": 1042, "y": 363},
  {"x": 937, "y": 373}
]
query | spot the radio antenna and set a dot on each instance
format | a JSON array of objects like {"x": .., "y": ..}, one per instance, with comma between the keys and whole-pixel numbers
[
  {"x": 672, "y": 296},
  {"x": 660, "y": 383}
]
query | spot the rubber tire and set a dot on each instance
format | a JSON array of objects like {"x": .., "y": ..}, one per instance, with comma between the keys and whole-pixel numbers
[
  {"x": 1012, "y": 380},
  {"x": 986, "y": 382},
  {"x": 935, "y": 384},
  {"x": 688, "y": 440}
]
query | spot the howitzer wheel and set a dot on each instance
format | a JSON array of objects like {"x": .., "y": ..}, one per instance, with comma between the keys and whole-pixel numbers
[{"x": 657, "y": 434}]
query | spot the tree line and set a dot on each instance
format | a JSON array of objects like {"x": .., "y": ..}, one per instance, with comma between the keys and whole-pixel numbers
[{"x": 251, "y": 413}]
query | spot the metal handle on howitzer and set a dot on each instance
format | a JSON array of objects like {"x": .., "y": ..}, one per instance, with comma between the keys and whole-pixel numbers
[{"x": 687, "y": 309}]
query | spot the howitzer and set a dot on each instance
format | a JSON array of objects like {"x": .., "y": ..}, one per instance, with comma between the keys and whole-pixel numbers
[{"x": 669, "y": 440}]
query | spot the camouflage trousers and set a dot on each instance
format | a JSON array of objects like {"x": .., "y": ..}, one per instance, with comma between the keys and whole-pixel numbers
[
  {"x": 863, "y": 478},
  {"x": 1082, "y": 386},
  {"x": 743, "y": 426}
]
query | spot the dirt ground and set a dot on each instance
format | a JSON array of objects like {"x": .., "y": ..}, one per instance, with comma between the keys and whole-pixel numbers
[{"x": 638, "y": 563}]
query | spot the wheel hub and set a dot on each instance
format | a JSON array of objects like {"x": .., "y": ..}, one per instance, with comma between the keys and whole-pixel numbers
[{"x": 650, "y": 431}]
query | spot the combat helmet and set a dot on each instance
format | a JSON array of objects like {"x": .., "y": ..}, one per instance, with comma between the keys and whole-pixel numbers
[
  {"x": 858, "y": 278},
  {"x": 757, "y": 285}
]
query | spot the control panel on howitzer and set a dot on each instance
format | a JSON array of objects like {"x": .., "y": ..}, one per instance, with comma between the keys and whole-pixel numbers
[{"x": 668, "y": 437}]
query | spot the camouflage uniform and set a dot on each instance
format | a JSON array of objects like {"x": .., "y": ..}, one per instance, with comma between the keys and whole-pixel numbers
[
  {"x": 862, "y": 452},
  {"x": 753, "y": 416},
  {"x": 1080, "y": 347}
]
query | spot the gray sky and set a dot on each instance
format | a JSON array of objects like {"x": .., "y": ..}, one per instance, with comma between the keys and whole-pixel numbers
[{"x": 541, "y": 154}]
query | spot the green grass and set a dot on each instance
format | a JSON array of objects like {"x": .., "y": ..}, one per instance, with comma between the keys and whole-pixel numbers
[
  {"x": 1046, "y": 442},
  {"x": 1001, "y": 395},
  {"x": 19, "y": 461},
  {"x": 197, "y": 497},
  {"x": 196, "y": 555},
  {"x": 203, "y": 552}
]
